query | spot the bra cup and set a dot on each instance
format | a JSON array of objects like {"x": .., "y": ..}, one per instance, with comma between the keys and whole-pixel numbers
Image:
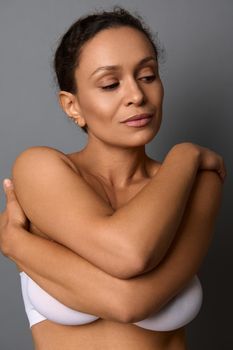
[
  {"x": 53, "y": 309},
  {"x": 179, "y": 311}
]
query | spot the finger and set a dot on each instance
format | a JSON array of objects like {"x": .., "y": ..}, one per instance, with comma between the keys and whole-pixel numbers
[
  {"x": 9, "y": 190},
  {"x": 224, "y": 168},
  {"x": 222, "y": 174}
]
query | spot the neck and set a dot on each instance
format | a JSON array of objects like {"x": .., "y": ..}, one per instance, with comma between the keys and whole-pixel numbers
[{"x": 117, "y": 167}]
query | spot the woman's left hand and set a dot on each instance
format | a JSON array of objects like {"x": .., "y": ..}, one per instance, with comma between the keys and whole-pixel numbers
[{"x": 12, "y": 217}]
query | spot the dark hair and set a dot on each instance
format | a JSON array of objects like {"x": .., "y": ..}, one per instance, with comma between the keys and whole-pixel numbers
[{"x": 66, "y": 58}]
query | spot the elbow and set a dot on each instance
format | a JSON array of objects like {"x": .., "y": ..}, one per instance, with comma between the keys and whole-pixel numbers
[
  {"x": 140, "y": 264},
  {"x": 131, "y": 266},
  {"x": 124, "y": 312},
  {"x": 131, "y": 309},
  {"x": 129, "y": 315},
  {"x": 124, "y": 315},
  {"x": 126, "y": 303},
  {"x": 138, "y": 261}
]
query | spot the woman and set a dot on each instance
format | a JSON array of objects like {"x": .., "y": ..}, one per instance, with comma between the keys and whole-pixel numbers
[{"x": 112, "y": 261}]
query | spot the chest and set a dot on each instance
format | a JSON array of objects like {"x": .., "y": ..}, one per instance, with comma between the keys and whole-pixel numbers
[{"x": 114, "y": 198}]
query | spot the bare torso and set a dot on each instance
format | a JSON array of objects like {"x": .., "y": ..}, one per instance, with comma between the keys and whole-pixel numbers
[{"x": 104, "y": 334}]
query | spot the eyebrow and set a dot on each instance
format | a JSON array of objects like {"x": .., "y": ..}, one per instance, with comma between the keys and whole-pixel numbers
[{"x": 116, "y": 67}]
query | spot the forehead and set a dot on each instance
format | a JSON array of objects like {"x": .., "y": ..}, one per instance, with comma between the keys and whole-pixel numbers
[{"x": 114, "y": 46}]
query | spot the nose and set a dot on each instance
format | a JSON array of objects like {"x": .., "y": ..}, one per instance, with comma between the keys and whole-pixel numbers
[{"x": 133, "y": 93}]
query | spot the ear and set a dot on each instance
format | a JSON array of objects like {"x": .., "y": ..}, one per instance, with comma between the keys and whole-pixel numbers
[{"x": 69, "y": 104}]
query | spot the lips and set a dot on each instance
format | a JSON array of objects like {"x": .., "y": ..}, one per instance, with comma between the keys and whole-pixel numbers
[{"x": 138, "y": 117}]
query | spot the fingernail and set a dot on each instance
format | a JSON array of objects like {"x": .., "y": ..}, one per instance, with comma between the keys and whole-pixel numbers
[{"x": 7, "y": 182}]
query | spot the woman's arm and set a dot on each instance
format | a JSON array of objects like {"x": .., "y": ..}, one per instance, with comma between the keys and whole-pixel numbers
[
  {"x": 82, "y": 286},
  {"x": 61, "y": 204}
]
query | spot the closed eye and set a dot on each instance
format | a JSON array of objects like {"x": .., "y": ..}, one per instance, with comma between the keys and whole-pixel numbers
[
  {"x": 109, "y": 87},
  {"x": 148, "y": 78}
]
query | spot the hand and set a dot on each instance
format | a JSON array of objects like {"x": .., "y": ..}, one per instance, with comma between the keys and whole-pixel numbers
[
  {"x": 12, "y": 217},
  {"x": 209, "y": 160}
]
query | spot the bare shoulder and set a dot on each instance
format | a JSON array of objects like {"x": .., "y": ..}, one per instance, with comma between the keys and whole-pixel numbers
[
  {"x": 56, "y": 200},
  {"x": 42, "y": 155},
  {"x": 43, "y": 167}
]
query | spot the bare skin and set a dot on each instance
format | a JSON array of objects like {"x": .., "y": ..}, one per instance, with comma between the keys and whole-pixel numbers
[
  {"x": 106, "y": 334},
  {"x": 115, "y": 165},
  {"x": 49, "y": 335}
]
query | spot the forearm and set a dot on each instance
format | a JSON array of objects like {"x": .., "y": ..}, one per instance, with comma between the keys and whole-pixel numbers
[
  {"x": 83, "y": 287},
  {"x": 150, "y": 220},
  {"x": 67, "y": 276},
  {"x": 123, "y": 243},
  {"x": 186, "y": 254}
]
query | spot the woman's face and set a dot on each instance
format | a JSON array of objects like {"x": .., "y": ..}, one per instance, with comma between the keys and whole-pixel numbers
[{"x": 107, "y": 96}]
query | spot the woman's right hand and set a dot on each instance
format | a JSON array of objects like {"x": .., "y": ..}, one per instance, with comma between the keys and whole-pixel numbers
[
  {"x": 12, "y": 217},
  {"x": 208, "y": 159}
]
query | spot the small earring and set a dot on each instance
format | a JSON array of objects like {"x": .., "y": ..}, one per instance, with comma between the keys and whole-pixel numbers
[
  {"x": 82, "y": 125},
  {"x": 77, "y": 123}
]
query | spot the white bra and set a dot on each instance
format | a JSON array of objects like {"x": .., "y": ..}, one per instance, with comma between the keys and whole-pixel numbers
[{"x": 182, "y": 309}]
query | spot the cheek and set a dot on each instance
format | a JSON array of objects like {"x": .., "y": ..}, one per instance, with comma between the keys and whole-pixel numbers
[{"x": 100, "y": 103}]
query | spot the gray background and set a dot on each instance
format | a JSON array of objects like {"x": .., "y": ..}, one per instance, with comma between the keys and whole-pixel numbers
[{"x": 197, "y": 76}]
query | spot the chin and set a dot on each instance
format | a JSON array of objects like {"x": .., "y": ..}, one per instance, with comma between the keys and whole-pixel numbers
[{"x": 142, "y": 138}]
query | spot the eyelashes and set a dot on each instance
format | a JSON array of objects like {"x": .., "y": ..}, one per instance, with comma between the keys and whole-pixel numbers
[
  {"x": 110, "y": 87},
  {"x": 149, "y": 79}
]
